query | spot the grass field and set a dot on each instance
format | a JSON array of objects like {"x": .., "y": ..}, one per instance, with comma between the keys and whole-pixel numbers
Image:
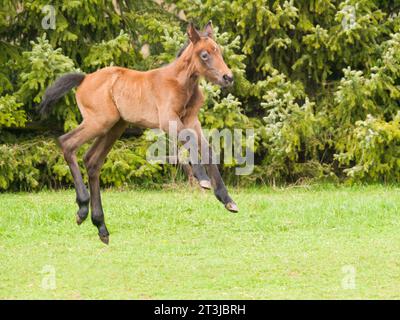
[{"x": 296, "y": 243}]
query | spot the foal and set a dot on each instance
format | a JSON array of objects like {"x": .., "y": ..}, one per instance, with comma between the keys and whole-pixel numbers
[{"x": 112, "y": 97}]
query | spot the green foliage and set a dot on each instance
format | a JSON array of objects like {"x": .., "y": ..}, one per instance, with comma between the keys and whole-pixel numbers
[
  {"x": 220, "y": 113},
  {"x": 290, "y": 135},
  {"x": 319, "y": 81},
  {"x": 31, "y": 164},
  {"x": 39, "y": 69},
  {"x": 127, "y": 164},
  {"x": 10, "y": 112},
  {"x": 374, "y": 150},
  {"x": 116, "y": 51},
  {"x": 20, "y": 164}
]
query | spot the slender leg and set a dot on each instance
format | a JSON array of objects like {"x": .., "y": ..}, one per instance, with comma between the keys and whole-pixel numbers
[
  {"x": 194, "y": 105},
  {"x": 217, "y": 183},
  {"x": 201, "y": 175},
  {"x": 197, "y": 171},
  {"x": 94, "y": 160},
  {"x": 206, "y": 151},
  {"x": 70, "y": 142}
]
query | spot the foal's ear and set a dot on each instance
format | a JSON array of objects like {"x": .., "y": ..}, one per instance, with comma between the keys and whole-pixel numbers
[
  {"x": 208, "y": 29},
  {"x": 193, "y": 34}
]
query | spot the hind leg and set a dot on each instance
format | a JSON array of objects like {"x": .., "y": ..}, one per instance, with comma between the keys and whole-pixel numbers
[
  {"x": 94, "y": 160},
  {"x": 69, "y": 143}
]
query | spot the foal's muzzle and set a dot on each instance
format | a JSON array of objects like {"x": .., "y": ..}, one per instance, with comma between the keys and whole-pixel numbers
[{"x": 227, "y": 80}]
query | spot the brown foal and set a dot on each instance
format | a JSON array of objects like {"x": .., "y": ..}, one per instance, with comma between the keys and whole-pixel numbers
[{"x": 112, "y": 97}]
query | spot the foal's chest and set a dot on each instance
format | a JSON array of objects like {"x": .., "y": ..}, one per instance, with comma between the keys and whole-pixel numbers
[{"x": 187, "y": 106}]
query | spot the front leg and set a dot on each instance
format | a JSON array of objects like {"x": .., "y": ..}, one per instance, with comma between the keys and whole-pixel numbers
[
  {"x": 192, "y": 109},
  {"x": 217, "y": 183},
  {"x": 201, "y": 175},
  {"x": 197, "y": 171},
  {"x": 191, "y": 121},
  {"x": 206, "y": 151}
]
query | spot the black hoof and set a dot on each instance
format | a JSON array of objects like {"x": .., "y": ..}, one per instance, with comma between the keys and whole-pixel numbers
[
  {"x": 104, "y": 239},
  {"x": 82, "y": 214},
  {"x": 79, "y": 220},
  {"x": 232, "y": 207}
]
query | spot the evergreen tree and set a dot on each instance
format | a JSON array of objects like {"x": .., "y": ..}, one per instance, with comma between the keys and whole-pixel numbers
[{"x": 319, "y": 81}]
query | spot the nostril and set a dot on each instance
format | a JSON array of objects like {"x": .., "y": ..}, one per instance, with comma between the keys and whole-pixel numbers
[{"x": 228, "y": 78}]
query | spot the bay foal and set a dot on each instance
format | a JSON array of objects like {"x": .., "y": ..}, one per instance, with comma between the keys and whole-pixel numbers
[{"x": 112, "y": 97}]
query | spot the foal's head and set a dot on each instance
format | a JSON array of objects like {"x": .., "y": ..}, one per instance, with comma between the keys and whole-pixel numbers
[{"x": 207, "y": 56}]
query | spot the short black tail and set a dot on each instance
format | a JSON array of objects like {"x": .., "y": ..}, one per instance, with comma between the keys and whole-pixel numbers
[{"x": 62, "y": 85}]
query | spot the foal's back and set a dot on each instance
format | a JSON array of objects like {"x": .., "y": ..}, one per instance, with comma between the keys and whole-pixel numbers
[{"x": 114, "y": 92}]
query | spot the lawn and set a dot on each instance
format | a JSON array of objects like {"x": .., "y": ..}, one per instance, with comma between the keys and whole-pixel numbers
[{"x": 320, "y": 242}]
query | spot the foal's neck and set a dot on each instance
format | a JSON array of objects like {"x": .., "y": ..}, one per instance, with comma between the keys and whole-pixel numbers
[{"x": 185, "y": 71}]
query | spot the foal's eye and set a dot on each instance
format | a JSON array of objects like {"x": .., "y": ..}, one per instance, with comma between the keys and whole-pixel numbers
[{"x": 204, "y": 55}]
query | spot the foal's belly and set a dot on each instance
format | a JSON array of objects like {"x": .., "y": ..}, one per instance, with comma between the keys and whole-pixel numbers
[
  {"x": 135, "y": 104},
  {"x": 145, "y": 116}
]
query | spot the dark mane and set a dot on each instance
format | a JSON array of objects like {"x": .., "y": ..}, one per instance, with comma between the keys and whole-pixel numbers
[{"x": 182, "y": 49}]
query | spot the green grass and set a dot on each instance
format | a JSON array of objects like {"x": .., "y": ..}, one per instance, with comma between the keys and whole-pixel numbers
[{"x": 182, "y": 244}]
